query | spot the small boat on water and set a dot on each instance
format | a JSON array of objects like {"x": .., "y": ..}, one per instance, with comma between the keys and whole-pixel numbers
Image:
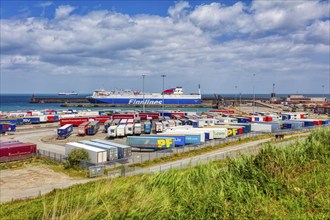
[{"x": 68, "y": 93}]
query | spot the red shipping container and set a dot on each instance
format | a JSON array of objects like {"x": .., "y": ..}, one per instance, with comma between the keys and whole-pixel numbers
[
  {"x": 123, "y": 116},
  {"x": 74, "y": 121},
  {"x": 144, "y": 115},
  {"x": 302, "y": 116},
  {"x": 101, "y": 119},
  {"x": 18, "y": 149}
]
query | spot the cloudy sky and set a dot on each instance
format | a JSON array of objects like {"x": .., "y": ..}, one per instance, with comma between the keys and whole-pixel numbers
[{"x": 53, "y": 46}]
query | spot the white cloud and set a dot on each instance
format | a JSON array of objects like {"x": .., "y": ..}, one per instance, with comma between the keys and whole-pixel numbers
[
  {"x": 216, "y": 45},
  {"x": 63, "y": 11}
]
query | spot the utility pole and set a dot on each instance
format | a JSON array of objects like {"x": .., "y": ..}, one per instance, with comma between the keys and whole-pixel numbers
[
  {"x": 144, "y": 105},
  {"x": 163, "y": 94}
]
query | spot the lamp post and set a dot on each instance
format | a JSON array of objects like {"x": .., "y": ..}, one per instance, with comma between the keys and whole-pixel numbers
[
  {"x": 163, "y": 95},
  {"x": 323, "y": 91},
  {"x": 144, "y": 105},
  {"x": 254, "y": 95},
  {"x": 235, "y": 95}
]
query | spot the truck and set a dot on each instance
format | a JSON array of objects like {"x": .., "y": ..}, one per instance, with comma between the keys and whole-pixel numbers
[
  {"x": 129, "y": 129},
  {"x": 96, "y": 155},
  {"x": 124, "y": 151},
  {"x": 147, "y": 127},
  {"x": 121, "y": 130},
  {"x": 82, "y": 128},
  {"x": 64, "y": 131},
  {"x": 137, "y": 129},
  {"x": 7, "y": 127},
  {"x": 112, "y": 131},
  {"x": 93, "y": 127},
  {"x": 107, "y": 124}
]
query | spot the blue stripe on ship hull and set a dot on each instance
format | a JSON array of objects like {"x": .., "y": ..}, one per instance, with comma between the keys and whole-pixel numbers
[{"x": 128, "y": 101}]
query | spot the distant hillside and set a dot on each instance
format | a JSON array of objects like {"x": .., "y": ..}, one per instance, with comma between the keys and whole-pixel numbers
[{"x": 281, "y": 183}]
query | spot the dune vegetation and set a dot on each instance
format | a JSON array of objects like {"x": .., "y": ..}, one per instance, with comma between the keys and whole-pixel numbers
[{"x": 291, "y": 182}]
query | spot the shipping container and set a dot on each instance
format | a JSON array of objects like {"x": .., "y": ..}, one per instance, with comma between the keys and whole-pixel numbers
[
  {"x": 93, "y": 127},
  {"x": 115, "y": 121},
  {"x": 129, "y": 129},
  {"x": 265, "y": 127},
  {"x": 31, "y": 120},
  {"x": 6, "y": 127},
  {"x": 157, "y": 126},
  {"x": 107, "y": 124},
  {"x": 147, "y": 127},
  {"x": 246, "y": 126},
  {"x": 112, "y": 131},
  {"x": 147, "y": 142},
  {"x": 7, "y": 143},
  {"x": 243, "y": 120},
  {"x": 100, "y": 119},
  {"x": 187, "y": 132},
  {"x": 82, "y": 128},
  {"x": 52, "y": 118},
  {"x": 121, "y": 130},
  {"x": 17, "y": 150},
  {"x": 112, "y": 152},
  {"x": 64, "y": 131},
  {"x": 179, "y": 140},
  {"x": 96, "y": 155},
  {"x": 137, "y": 129},
  {"x": 73, "y": 121},
  {"x": 124, "y": 151}
]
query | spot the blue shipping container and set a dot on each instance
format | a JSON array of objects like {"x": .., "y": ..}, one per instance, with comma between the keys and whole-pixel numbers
[
  {"x": 93, "y": 127},
  {"x": 10, "y": 121},
  {"x": 31, "y": 120},
  {"x": 286, "y": 126},
  {"x": 179, "y": 140},
  {"x": 7, "y": 127},
  {"x": 147, "y": 128},
  {"x": 150, "y": 142},
  {"x": 64, "y": 131},
  {"x": 193, "y": 139}
]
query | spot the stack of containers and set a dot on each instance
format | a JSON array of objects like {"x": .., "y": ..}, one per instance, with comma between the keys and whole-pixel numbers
[
  {"x": 124, "y": 151},
  {"x": 112, "y": 152},
  {"x": 96, "y": 155}
]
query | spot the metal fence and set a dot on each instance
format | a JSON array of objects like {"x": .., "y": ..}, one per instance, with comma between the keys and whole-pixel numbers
[
  {"x": 187, "y": 163},
  {"x": 51, "y": 155}
]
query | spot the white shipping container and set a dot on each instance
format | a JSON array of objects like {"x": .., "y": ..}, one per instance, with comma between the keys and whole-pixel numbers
[
  {"x": 129, "y": 129},
  {"x": 137, "y": 130},
  {"x": 121, "y": 130},
  {"x": 96, "y": 155},
  {"x": 112, "y": 131}
]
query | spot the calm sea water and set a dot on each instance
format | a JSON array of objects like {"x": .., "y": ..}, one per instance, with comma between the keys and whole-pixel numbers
[{"x": 17, "y": 102}]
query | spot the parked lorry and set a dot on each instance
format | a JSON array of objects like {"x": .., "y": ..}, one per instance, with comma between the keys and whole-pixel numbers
[
  {"x": 93, "y": 127},
  {"x": 82, "y": 128},
  {"x": 112, "y": 131},
  {"x": 64, "y": 131}
]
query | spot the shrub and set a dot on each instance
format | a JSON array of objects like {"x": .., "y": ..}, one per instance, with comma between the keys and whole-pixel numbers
[{"x": 77, "y": 155}]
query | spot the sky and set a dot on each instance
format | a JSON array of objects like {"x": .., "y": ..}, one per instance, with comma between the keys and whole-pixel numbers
[{"x": 225, "y": 46}]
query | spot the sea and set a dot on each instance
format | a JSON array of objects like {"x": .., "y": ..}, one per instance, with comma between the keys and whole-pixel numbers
[{"x": 20, "y": 102}]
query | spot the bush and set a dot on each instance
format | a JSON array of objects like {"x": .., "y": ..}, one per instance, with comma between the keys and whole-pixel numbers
[{"x": 77, "y": 155}]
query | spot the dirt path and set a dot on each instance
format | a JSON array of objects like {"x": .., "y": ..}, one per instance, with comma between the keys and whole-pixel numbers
[{"x": 31, "y": 182}]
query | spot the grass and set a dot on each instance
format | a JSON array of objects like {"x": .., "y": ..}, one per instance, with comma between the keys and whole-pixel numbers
[{"x": 291, "y": 182}]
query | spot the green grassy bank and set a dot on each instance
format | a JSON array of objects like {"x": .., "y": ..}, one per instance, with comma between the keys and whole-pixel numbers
[{"x": 292, "y": 182}]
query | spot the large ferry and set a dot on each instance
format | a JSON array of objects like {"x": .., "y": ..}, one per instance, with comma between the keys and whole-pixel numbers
[{"x": 173, "y": 96}]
